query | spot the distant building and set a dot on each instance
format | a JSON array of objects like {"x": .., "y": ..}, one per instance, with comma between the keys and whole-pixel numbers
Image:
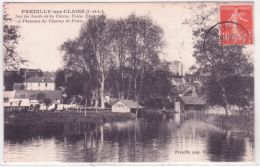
[
  {"x": 54, "y": 95},
  {"x": 39, "y": 83},
  {"x": 176, "y": 81},
  {"x": 191, "y": 103},
  {"x": 8, "y": 98},
  {"x": 189, "y": 90},
  {"x": 13, "y": 103},
  {"x": 176, "y": 68},
  {"x": 109, "y": 101},
  {"x": 195, "y": 78},
  {"x": 125, "y": 106},
  {"x": 11, "y": 77},
  {"x": 25, "y": 86},
  {"x": 28, "y": 98},
  {"x": 18, "y": 86},
  {"x": 28, "y": 72}
]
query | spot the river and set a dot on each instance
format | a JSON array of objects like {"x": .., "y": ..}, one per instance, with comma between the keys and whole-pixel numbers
[{"x": 142, "y": 140}]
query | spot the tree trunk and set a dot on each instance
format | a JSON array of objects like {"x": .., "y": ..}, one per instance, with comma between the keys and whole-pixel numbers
[
  {"x": 96, "y": 102},
  {"x": 135, "y": 88},
  {"x": 86, "y": 103},
  {"x": 163, "y": 105},
  {"x": 226, "y": 111},
  {"x": 129, "y": 87},
  {"x": 223, "y": 91},
  {"x": 102, "y": 105},
  {"x": 122, "y": 93}
]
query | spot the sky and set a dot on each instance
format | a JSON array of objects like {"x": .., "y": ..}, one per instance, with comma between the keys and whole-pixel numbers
[{"x": 40, "y": 42}]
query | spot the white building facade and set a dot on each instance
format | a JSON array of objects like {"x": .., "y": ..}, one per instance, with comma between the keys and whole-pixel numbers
[
  {"x": 120, "y": 107},
  {"x": 125, "y": 106}
]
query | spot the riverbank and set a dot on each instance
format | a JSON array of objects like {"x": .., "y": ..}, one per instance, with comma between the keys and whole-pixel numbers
[
  {"x": 234, "y": 122},
  {"x": 59, "y": 123}
]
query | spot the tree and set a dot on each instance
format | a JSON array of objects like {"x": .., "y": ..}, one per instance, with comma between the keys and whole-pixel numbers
[
  {"x": 120, "y": 50},
  {"x": 136, "y": 44},
  {"x": 240, "y": 91},
  {"x": 118, "y": 32},
  {"x": 158, "y": 85},
  {"x": 10, "y": 40},
  {"x": 43, "y": 99},
  {"x": 75, "y": 84},
  {"x": 60, "y": 80},
  {"x": 10, "y": 78},
  {"x": 47, "y": 102},
  {"x": 218, "y": 63},
  {"x": 90, "y": 53},
  {"x": 40, "y": 97},
  {"x": 144, "y": 44}
]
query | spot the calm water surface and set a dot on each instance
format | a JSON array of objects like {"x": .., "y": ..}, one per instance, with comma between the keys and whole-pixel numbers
[{"x": 144, "y": 140}]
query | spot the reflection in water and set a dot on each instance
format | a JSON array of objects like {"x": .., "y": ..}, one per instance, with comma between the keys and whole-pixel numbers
[{"x": 142, "y": 140}]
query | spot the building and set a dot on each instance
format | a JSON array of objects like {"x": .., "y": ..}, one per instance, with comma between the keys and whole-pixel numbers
[
  {"x": 32, "y": 94},
  {"x": 23, "y": 92},
  {"x": 189, "y": 90},
  {"x": 18, "y": 86},
  {"x": 109, "y": 101},
  {"x": 176, "y": 68},
  {"x": 195, "y": 78},
  {"x": 28, "y": 98},
  {"x": 18, "y": 76},
  {"x": 13, "y": 103},
  {"x": 191, "y": 103},
  {"x": 177, "y": 81},
  {"x": 8, "y": 98},
  {"x": 125, "y": 106},
  {"x": 30, "y": 72},
  {"x": 40, "y": 83}
]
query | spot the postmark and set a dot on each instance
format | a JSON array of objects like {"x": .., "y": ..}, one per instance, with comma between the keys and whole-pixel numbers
[{"x": 238, "y": 27}]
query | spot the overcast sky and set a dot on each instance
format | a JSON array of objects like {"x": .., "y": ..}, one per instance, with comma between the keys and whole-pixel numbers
[{"x": 40, "y": 42}]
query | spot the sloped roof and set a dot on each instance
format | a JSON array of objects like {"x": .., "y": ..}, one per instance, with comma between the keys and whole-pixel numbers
[
  {"x": 18, "y": 86},
  {"x": 31, "y": 94},
  {"x": 130, "y": 103},
  {"x": 8, "y": 94},
  {"x": 193, "y": 100},
  {"x": 40, "y": 79}
]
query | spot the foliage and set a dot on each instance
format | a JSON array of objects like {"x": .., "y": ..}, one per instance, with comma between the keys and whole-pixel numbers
[
  {"x": 158, "y": 84},
  {"x": 40, "y": 97},
  {"x": 47, "y": 102},
  {"x": 226, "y": 70},
  {"x": 113, "y": 55},
  {"x": 240, "y": 90},
  {"x": 60, "y": 79},
  {"x": 43, "y": 99},
  {"x": 10, "y": 40},
  {"x": 10, "y": 78}
]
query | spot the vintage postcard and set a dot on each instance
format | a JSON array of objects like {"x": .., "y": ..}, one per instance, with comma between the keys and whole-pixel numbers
[{"x": 128, "y": 82}]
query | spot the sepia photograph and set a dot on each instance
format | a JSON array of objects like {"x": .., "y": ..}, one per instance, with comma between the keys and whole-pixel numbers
[{"x": 128, "y": 82}]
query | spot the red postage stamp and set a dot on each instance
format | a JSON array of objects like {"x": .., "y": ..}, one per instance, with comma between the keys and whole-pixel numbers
[{"x": 236, "y": 24}]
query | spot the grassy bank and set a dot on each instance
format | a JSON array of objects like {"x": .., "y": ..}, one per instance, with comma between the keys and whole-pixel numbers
[{"x": 58, "y": 123}]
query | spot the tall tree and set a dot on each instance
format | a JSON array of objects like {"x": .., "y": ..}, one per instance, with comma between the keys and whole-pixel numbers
[
  {"x": 144, "y": 44},
  {"x": 90, "y": 52},
  {"x": 116, "y": 50},
  {"x": 118, "y": 33},
  {"x": 10, "y": 40},
  {"x": 216, "y": 62},
  {"x": 158, "y": 85},
  {"x": 10, "y": 78}
]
